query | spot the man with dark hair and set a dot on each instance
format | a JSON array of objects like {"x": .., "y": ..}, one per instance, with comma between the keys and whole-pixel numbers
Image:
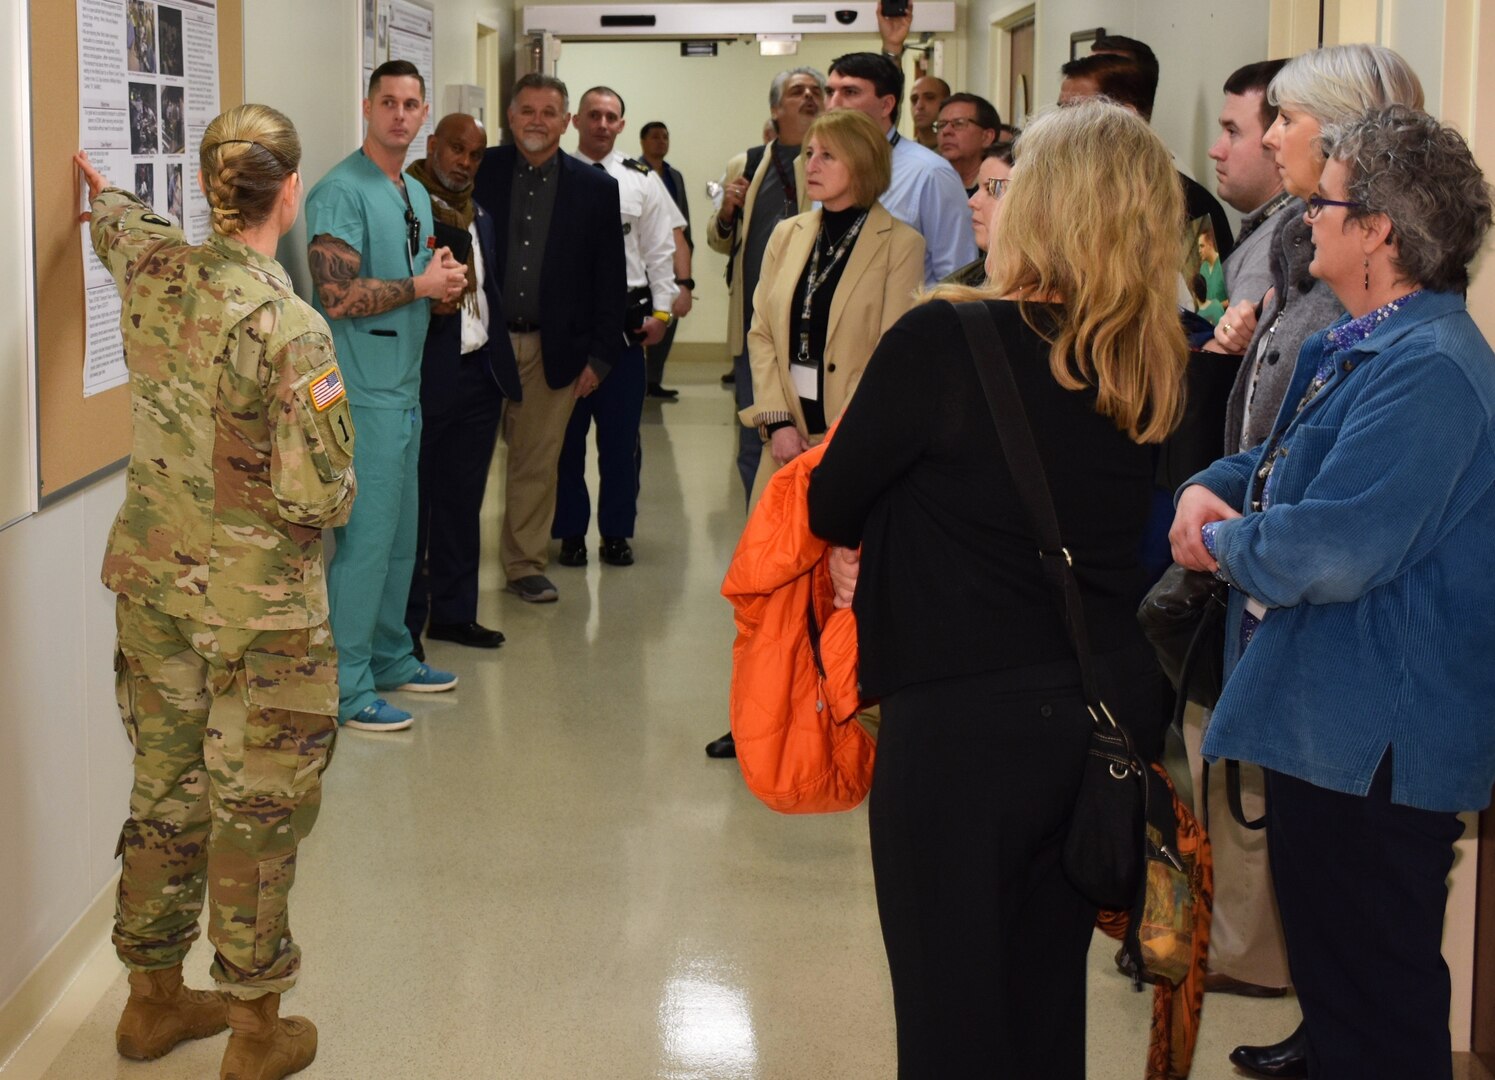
[
  {"x": 1141, "y": 55},
  {"x": 924, "y": 102},
  {"x": 1115, "y": 76},
  {"x": 926, "y": 192},
  {"x": 654, "y": 141},
  {"x": 559, "y": 262},
  {"x": 467, "y": 371},
  {"x": 650, "y": 220},
  {"x": 762, "y": 187},
  {"x": 1246, "y": 176},
  {"x": 967, "y": 126},
  {"x": 374, "y": 276}
]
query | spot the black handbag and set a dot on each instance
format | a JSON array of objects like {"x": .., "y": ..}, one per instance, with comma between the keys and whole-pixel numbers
[
  {"x": 1183, "y": 617},
  {"x": 1108, "y": 844}
]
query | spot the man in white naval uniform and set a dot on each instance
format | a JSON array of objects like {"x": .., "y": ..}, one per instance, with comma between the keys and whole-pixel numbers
[{"x": 650, "y": 219}]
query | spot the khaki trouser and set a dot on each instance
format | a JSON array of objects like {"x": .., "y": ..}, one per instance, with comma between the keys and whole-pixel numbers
[
  {"x": 232, "y": 729},
  {"x": 533, "y": 430},
  {"x": 1246, "y": 934}
]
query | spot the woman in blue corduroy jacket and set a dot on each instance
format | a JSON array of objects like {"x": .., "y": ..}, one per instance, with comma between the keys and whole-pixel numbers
[{"x": 1357, "y": 543}]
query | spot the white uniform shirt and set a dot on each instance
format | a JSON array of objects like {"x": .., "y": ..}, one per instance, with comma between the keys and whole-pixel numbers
[
  {"x": 650, "y": 218},
  {"x": 475, "y": 327}
]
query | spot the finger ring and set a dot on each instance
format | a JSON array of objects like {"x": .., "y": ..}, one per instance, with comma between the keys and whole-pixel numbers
[{"x": 1225, "y": 327}]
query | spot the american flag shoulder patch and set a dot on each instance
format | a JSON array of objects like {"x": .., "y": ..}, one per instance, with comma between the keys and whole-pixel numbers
[{"x": 327, "y": 390}]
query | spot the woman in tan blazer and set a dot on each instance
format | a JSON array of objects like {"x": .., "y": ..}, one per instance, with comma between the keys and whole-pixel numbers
[{"x": 833, "y": 280}]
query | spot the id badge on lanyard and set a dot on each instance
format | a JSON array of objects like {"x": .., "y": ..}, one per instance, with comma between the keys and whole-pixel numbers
[{"x": 804, "y": 372}]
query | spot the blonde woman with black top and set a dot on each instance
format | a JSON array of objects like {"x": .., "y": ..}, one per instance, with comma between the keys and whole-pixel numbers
[
  {"x": 832, "y": 281},
  {"x": 983, "y": 726}
]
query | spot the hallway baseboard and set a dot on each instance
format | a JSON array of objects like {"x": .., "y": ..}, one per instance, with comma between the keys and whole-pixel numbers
[{"x": 27, "y": 1042}]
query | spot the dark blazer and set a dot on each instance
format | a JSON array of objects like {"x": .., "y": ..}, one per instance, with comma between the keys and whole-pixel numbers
[
  {"x": 583, "y": 282},
  {"x": 681, "y": 200},
  {"x": 439, "y": 385}
]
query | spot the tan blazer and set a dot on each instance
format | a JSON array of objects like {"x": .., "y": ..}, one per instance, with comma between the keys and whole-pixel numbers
[
  {"x": 884, "y": 270},
  {"x": 718, "y": 241}
]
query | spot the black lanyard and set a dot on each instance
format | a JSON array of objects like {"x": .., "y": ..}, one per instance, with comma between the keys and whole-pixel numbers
[{"x": 817, "y": 277}]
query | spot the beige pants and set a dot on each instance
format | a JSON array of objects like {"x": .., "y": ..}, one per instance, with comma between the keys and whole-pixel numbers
[
  {"x": 1246, "y": 934},
  {"x": 533, "y": 431}
]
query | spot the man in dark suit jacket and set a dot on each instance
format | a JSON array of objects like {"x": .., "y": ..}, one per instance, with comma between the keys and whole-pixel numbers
[
  {"x": 654, "y": 139},
  {"x": 467, "y": 371},
  {"x": 559, "y": 268}
]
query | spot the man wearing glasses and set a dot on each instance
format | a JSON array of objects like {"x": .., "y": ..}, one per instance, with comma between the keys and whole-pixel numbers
[
  {"x": 967, "y": 126},
  {"x": 374, "y": 277}
]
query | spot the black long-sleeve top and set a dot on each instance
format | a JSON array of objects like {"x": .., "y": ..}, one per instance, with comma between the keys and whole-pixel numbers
[
  {"x": 950, "y": 580},
  {"x": 834, "y": 224}
]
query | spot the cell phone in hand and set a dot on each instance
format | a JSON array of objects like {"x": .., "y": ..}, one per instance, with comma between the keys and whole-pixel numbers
[{"x": 894, "y": 9}]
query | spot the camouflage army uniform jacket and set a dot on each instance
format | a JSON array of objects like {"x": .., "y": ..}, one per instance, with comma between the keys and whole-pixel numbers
[{"x": 242, "y": 442}]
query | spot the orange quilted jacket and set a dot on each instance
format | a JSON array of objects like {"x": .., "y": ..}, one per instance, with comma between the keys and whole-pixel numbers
[{"x": 799, "y": 745}]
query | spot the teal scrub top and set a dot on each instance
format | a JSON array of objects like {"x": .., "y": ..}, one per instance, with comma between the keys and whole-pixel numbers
[{"x": 380, "y": 354}]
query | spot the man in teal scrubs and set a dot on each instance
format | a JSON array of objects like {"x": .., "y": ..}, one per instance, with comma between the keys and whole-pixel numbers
[{"x": 374, "y": 276}]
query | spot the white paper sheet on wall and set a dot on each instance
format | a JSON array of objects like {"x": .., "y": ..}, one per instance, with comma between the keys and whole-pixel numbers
[
  {"x": 147, "y": 89},
  {"x": 412, "y": 37}
]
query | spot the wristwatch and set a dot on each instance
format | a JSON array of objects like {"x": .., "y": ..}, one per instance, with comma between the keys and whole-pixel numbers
[
  {"x": 664, "y": 317},
  {"x": 686, "y": 282}
]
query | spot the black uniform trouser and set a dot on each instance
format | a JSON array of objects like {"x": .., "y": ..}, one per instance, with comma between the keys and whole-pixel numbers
[
  {"x": 986, "y": 938},
  {"x": 1361, "y": 885},
  {"x": 456, "y": 450},
  {"x": 617, "y": 406}
]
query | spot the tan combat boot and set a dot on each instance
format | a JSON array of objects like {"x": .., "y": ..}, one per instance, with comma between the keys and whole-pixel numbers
[
  {"x": 263, "y": 1046},
  {"x": 162, "y": 1012}
]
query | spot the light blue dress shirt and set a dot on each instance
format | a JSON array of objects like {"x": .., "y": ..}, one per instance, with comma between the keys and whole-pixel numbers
[{"x": 926, "y": 193}]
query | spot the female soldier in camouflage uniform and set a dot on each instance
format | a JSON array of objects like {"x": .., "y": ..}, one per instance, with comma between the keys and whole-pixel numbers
[{"x": 226, "y": 671}]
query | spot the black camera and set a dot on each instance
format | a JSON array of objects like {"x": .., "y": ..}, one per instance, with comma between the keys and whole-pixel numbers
[{"x": 846, "y": 16}]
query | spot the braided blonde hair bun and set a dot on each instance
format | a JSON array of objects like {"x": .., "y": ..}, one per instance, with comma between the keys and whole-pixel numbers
[{"x": 247, "y": 154}]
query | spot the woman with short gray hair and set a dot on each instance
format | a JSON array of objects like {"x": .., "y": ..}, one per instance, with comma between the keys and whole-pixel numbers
[
  {"x": 1314, "y": 91},
  {"x": 1362, "y": 614}
]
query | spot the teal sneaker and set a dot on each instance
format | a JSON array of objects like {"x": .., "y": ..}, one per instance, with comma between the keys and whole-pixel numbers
[
  {"x": 428, "y": 680},
  {"x": 380, "y": 716}
]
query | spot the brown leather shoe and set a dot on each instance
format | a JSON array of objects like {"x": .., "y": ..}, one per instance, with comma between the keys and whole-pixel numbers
[
  {"x": 162, "y": 1012},
  {"x": 1217, "y": 983},
  {"x": 264, "y": 1045}
]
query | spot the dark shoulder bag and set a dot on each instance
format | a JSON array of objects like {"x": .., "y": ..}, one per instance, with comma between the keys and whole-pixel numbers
[{"x": 1122, "y": 830}]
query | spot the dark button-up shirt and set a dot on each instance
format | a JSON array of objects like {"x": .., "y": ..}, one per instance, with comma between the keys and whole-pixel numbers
[{"x": 530, "y": 208}]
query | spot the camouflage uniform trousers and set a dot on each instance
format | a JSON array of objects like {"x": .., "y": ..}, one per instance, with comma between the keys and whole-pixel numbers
[{"x": 232, "y": 729}]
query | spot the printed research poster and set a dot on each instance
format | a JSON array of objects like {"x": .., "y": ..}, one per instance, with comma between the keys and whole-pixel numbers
[{"x": 147, "y": 89}]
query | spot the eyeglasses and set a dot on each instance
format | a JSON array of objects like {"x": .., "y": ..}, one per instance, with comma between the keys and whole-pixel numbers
[
  {"x": 1318, "y": 202},
  {"x": 996, "y": 186},
  {"x": 955, "y": 123}
]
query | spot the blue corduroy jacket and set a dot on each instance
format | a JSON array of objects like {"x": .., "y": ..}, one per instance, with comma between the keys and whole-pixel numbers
[{"x": 1374, "y": 561}]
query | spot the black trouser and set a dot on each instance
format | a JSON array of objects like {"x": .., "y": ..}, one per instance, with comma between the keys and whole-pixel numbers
[
  {"x": 456, "y": 449},
  {"x": 656, "y": 355},
  {"x": 1361, "y": 884},
  {"x": 975, "y": 781}
]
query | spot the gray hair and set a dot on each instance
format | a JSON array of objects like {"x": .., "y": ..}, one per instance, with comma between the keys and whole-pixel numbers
[
  {"x": 1420, "y": 174},
  {"x": 776, "y": 88},
  {"x": 537, "y": 81},
  {"x": 1339, "y": 83}
]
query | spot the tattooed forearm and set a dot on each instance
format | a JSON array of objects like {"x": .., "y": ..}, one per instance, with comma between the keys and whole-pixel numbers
[{"x": 334, "y": 273}]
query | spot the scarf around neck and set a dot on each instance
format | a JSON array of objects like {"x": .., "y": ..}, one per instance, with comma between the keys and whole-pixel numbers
[{"x": 452, "y": 207}]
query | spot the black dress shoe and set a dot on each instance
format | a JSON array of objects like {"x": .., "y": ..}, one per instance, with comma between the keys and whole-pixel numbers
[
  {"x": 573, "y": 551},
  {"x": 615, "y": 551},
  {"x": 1289, "y": 1058},
  {"x": 723, "y": 747},
  {"x": 417, "y": 651},
  {"x": 465, "y": 633},
  {"x": 657, "y": 391},
  {"x": 729, "y": 378}
]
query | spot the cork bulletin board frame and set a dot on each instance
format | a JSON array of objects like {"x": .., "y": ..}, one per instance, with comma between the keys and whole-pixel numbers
[{"x": 79, "y": 440}]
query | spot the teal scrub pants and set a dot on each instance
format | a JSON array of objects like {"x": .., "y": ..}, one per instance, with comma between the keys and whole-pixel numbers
[{"x": 368, "y": 581}]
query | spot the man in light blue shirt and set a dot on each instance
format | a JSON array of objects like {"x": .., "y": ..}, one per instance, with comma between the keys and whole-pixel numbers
[{"x": 926, "y": 192}]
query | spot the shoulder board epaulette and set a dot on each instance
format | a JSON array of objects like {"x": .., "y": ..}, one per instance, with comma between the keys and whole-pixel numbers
[{"x": 635, "y": 163}]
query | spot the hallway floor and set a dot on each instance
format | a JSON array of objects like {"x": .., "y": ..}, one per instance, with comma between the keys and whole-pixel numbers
[{"x": 546, "y": 878}]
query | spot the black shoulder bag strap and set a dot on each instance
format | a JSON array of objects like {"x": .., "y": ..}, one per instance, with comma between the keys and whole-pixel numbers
[
  {"x": 1016, "y": 434},
  {"x": 754, "y": 159}
]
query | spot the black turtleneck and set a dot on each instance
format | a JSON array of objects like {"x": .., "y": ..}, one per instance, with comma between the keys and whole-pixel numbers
[{"x": 833, "y": 226}]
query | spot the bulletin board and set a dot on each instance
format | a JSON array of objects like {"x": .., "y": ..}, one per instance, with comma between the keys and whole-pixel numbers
[{"x": 79, "y": 438}]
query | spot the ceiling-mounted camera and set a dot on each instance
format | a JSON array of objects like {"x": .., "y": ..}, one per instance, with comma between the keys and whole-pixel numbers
[{"x": 846, "y": 16}]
